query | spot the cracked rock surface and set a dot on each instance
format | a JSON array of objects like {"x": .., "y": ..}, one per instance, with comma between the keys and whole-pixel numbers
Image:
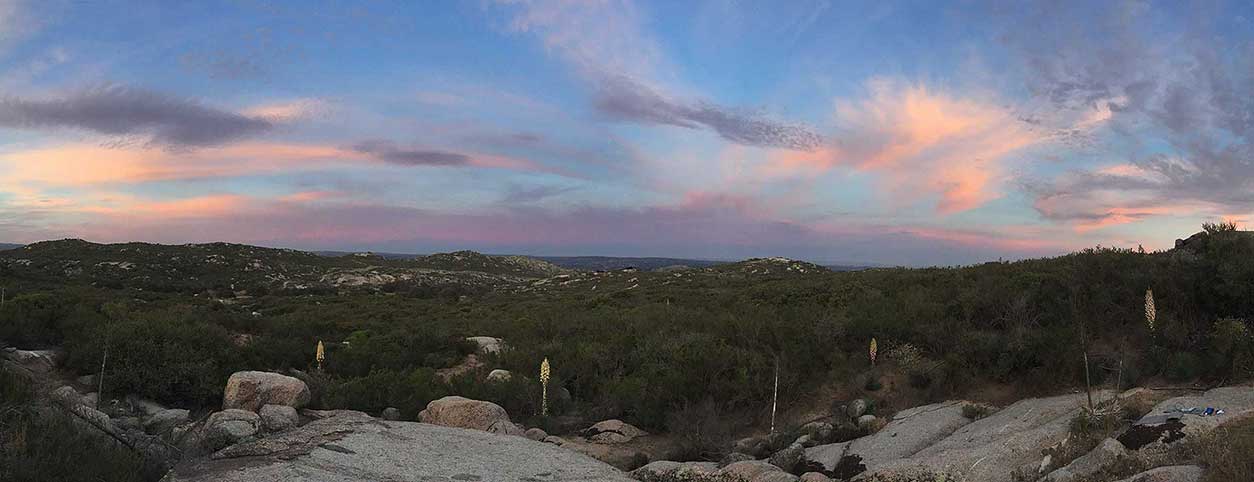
[{"x": 348, "y": 445}]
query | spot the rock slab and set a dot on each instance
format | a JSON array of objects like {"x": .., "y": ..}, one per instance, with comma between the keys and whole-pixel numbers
[{"x": 351, "y": 446}]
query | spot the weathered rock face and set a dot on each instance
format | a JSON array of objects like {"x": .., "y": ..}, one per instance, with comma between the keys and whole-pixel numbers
[
  {"x": 990, "y": 449},
  {"x": 755, "y": 471},
  {"x": 35, "y": 361},
  {"x": 252, "y": 390},
  {"x": 499, "y": 375},
  {"x": 856, "y": 409},
  {"x": 814, "y": 477},
  {"x": 228, "y": 427},
  {"x": 621, "y": 456},
  {"x": 788, "y": 458},
  {"x": 1173, "y": 473},
  {"x": 612, "y": 432},
  {"x": 165, "y": 420},
  {"x": 1105, "y": 455},
  {"x": 909, "y": 432},
  {"x": 535, "y": 434},
  {"x": 752, "y": 446},
  {"x": 351, "y": 446},
  {"x": 276, "y": 418},
  {"x": 466, "y": 413},
  {"x": 665, "y": 470},
  {"x": 487, "y": 345},
  {"x": 1163, "y": 427}
]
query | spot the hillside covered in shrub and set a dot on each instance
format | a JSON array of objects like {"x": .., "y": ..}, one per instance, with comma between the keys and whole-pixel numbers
[{"x": 643, "y": 346}]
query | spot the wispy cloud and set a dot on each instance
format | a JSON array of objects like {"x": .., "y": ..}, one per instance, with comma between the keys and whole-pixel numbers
[
  {"x": 606, "y": 45},
  {"x": 1180, "y": 109},
  {"x": 115, "y": 110},
  {"x": 387, "y": 151},
  {"x": 291, "y": 110},
  {"x": 16, "y": 22},
  {"x": 625, "y": 99}
]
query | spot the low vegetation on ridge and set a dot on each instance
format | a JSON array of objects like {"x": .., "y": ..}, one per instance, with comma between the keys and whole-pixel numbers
[{"x": 641, "y": 346}]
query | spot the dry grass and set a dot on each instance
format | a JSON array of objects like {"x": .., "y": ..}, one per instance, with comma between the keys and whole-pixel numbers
[{"x": 1228, "y": 452}]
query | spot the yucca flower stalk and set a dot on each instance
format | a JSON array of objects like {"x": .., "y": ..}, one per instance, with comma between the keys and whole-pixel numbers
[
  {"x": 320, "y": 355},
  {"x": 544, "y": 387},
  {"x": 873, "y": 349},
  {"x": 1151, "y": 315}
]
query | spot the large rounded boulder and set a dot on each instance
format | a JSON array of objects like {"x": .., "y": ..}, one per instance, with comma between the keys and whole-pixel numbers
[
  {"x": 460, "y": 412},
  {"x": 253, "y": 390}
]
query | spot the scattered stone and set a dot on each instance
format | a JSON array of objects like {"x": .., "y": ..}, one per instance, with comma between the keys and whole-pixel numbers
[
  {"x": 867, "y": 423},
  {"x": 165, "y": 421},
  {"x": 142, "y": 406},
  {"x": 555, "y": 440},
  {"x": 621, "y": 456},
  {"x": 804, "y": 441},
  {"x": 856, "y": 408},
  {"x": 228, "y": 427},
  {"x": 814, "y": 477},
  {"x": 486, "y": 344},
  {"x": 612, "y": 432},
  {"x": 351, "y": 445},
  {"x": 1105, "y": 455},
  {"x": 536, "y": 434},
  {"x": 1173, "y": 473},
  {"x": 788, "y": 458},
  {"x": 748, "y": 470},
  {"x": 251, "y": 390},
  {"x": 819, "y": 432},
  {"x": 753, "y": 446},
  {"x": 734, "y": 457},
  {"x": 665, "y": 470},
  {"x": 391, "y": 413},
  {"x": 499, "y": 376},
  {"x": 277, "y": 418},
  {"x": 128, "y": 423},
  {"x": 454, "y": 411},
  {"x": 66, "y": 396}
]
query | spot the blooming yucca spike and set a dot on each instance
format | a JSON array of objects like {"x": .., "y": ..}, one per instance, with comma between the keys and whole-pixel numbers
[
  {"x": 544, "y": 384},
  {"x": 320, "y": 355},
  {"x": 873, "y": 347},
  {"x": 1151, "y": 315}
]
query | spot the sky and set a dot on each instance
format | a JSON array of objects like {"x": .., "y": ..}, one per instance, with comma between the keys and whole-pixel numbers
[{"x": 900, "y": 133}]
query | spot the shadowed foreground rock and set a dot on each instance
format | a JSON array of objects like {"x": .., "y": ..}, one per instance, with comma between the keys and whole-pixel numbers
[{"x": 352, "y": 446}]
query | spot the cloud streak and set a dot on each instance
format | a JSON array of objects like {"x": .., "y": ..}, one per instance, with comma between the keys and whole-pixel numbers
[
  {"x": 622, "y": 98},
  {"x": 387, "y": 151},
  {"x": 115, "y": 110},
  {"x": 607, "y": 46}
]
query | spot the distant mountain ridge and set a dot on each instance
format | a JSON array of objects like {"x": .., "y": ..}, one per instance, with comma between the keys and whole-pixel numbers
[{"x": 5, "y": 246}]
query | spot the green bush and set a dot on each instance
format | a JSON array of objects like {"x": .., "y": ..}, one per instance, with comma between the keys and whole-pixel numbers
[
  {"x": 39, "y": 444},
  {"x": 169, "y": 355},
  {"x": 407, "y": 391}
]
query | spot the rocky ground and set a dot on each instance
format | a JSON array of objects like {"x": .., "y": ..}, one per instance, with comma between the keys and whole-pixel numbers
[{"x": 264, "y": 432}]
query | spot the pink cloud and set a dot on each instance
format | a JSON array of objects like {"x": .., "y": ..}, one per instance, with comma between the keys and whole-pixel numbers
[
  {"x": 921, "y": 143},
  {"x": 87, "y": 165}
]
